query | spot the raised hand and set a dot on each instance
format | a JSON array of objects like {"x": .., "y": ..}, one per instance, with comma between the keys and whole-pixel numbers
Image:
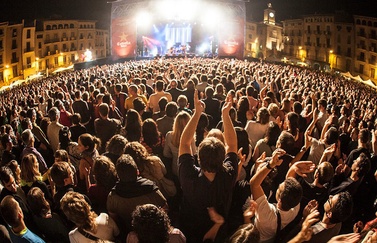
[{"x": 304, "y": 167}]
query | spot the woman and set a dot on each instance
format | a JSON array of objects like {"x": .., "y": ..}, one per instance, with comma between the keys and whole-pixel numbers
[
  {"x": 66, "y": 144},
  {"x": 173, "y": 138},
  {"x": 257, "y": 129},
  {"x": 268, "y": 143},
  {"x": 115, "y": 147},
  {"x": 87, "y": 146},
  {"x": 105, "y": 176},
  {"x": 133, "y": 126},
  {"x": 244, "y": 114},
  {"x": 152, "y": 139},
  {"x": 151, "y": 167},
  {"x": 151, "y": 224},
  {"x": 47, "y": 222},
  {"x": 90, "y": 227},
  {"x": 31, "y": 177}
]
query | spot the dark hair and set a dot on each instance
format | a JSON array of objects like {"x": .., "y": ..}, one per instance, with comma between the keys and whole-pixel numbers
[
  {"x": 342, "y": 209},
  {"x": 286, "y": 141},
  {"x": 211, "y": 154},
  {"x": 139, "y": 104},
  {"x": 5, "y": 174},
  {"x": 364, "y": 135},
  {"x": 243, "y": 140},
  {"x": 151, "y": 224},
  {"x": 162, "y": 102},
  {"x": 272, "y": 133},
  {"x": 291, "y": 195},
  {"x": 159, "y": 85},
  {"x": 133, "y": 125},
  {"x": 126, "y": 168},
  {"x": 59, "y": 172},
  {"x": 37, "y": 202},
  {"x": 247, "y": 233},
  {"x": 64, "y": 137},
  {"x": 151, "y": 135},
  {"x": 104, "y": 172},
  {"x": 116, "y": 144},
  {"x": 332, "y": 135},
  {"x": 364, "y": 165},
  {"x": 263, "y": 115},
  {"x": 293, "y": 119},
  {"x": 171, "y": 109},
  {"x": 89, "y": 141},
  {"x": 325, "y": 173},
  {"x": 52, "y": 113},
  {"x": 104, "y": 109}
]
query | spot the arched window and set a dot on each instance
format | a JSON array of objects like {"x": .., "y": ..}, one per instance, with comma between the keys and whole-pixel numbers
[
  {"x": 48, "y": 27},
  {"x": 71, "y": 26},
  {"x": 60, "y": 26}
]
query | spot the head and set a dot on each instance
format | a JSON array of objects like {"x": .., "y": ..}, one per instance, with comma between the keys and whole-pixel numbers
[
  {"x": 243, "y": 140},
  {"x": 116, "y": 144},
  {"x": 54, "y": 114},
  {"x": 61, "y": 155},
  {"x": 7, "y": 179},
  {"x": 78, "y": 211},
  {"x": 162, "y": 102},
  {"x": 104, "y": 172},
  {"x": 273, "y": 109},
  {"x": 289, "y": 194},
  {"x": 263, "y": 115},
  {"x": 37, "y": 202},
  {"x": 272, "y": 133},
  {"x": 331, "y": 136},
  {"x": 286, "y": 141},
  {"x": 338, "y": 207},
  {"x": 88, "y": 143},
  {"x": 29, "y": 168},
  {"x": 132, "y": 90},
  {"x": 150, "y": 132},
  {"x": 182, "y": 101},
  {"x": 139, "y": 104},
  {"x": 324, "y": 173},
  {"x": 151, "y": 224},
  {"x": 64, "y": 137},
  {"x": 216, "y": 133},
  {"x": 62, "y": 174},
  {"x": 27, "y": 137},
  {"x": 361, "y": 165},
  {"x": 104, "y": 110},
  {"x": 126, "y": 168},
  {"x": 211, "y": 154},
  {"x": 209, "y": 92},
  {"x": 246, "y": 233},
  {"x": 179, "y": 124},
  {"x": 171, "y": 109},
  {"x": 11, "y": 212},
  {"x": 364, "y": 136}
]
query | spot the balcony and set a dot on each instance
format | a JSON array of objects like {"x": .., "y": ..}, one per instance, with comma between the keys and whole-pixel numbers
[
  {"x": 373, "y": 36},
  {"x": 360, "y": 58},
  {"x": 372, "y": 61},
  {"x": 361, "y": 46},
  {"x": 73, "y": 38},
  {"x": 308, "y": 43},
  {"x": 372, "y": 49},
  {"x": 64, "y": 39},
  {"x": 28, "y": 50},
  {"x": 361, "y": 34},
  {"x": 14, "y": 60}
]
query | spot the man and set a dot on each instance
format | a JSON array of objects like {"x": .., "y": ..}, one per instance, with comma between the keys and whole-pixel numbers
[
  {"x": 105, "y": 127},
  {"x": 211, "y": 184},
  {"x": 14, "y": 217},
  {"x": 80, "y": 106},
  {"x": 174, "y": 90},
  {"x": 362, "y": 147},
  {"x": 8, "y": 153},
  {"x": 203, "y": 84},
  {"x": 337, "y": 209},
  {"x": 288, "y": 196},
  {"x": 132, "y": 94},
  {"x": 154, "y": 98},
  {"x": 53, "y": 128},
  {"x": 130, "y": 191},
  {"x": 28, "y": 139},
  {"x": 120, "y": 98},
  {"x": 165, "y": 123},
  {"x": 212, "y": 107}
]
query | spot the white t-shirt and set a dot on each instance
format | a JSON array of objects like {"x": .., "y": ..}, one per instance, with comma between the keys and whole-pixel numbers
[
  {"x": 106, "y": 230},
  {"x": 266, "y": 218}
]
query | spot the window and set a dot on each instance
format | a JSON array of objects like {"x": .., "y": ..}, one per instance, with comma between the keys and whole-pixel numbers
[
  {"x": 1, "y": 44},
  {"x": 28, "y": 62},
  {"x": 14, "y": 33},
  {"x": 1, "y": 59},
  {"x": 372, "y": 72},
  {"x": 39, "y": 45},
  {"x": 361, "y": 68},
  {"x": 56, "y": 61},
  {"x": 28, "y": 34},
  {"x": 14, "y": 44},
  {"x": 28, "y": 48}
]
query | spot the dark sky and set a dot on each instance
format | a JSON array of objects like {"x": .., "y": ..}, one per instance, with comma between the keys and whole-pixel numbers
[{"x": 100, "y": 10}]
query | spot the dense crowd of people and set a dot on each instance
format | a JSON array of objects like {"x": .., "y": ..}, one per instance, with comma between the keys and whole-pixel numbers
[{"x": 189, "y": 150}]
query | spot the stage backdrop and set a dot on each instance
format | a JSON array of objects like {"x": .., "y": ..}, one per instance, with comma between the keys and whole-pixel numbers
[{"x": 229, "y": 33}]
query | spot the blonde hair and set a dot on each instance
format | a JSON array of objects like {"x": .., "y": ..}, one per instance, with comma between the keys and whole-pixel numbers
[
  {"x": 30, "y": 168},
  {"x": 77, "y": 210},
  {"x": 180, "y": 123}
]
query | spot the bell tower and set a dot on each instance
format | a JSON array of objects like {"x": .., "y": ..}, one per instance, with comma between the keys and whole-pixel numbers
[{"x": 269, "y": 15}]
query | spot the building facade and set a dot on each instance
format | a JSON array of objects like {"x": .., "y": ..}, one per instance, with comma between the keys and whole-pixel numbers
[{"x": 44, "y": 46}]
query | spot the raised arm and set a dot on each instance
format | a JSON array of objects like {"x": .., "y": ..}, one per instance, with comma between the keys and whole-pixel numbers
[
  {"x": 257, "y": 179},
  {"x": 230, "y": 136},
  {"x": 189, "y": 131}
]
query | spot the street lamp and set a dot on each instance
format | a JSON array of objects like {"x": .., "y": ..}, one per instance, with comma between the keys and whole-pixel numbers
[
  {"x": 331, "y": 55},
  {"x": 36, "y": 65}
]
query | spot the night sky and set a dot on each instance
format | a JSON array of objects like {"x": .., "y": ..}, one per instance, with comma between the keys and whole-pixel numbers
[{"x": 15, "y": 10}]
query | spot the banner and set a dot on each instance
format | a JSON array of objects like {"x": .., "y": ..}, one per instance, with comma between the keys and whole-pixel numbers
[
  {"x": 231, "y": 39},
  {"x": 123, "y": 37}
]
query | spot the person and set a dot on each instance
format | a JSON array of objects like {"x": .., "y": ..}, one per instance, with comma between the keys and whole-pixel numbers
[
  {"x": 132, "y": 94},
  {"x": 77, "y": 128},
  {"x": 80, "y": 106},
  {"x": 28, "y": 139},
  {"x": 217, "y": 171},
  {"x": 31, "y": 177},
  {"x": 173, "y": 138},
  {"x": 48, "y": 223},
  {"x": 8, "y": 154},
  {"x": 152, "y": 224},
  {"x": 165, "y": 123},
  {"x": 14, "y": 217},
  {"x": 105, "y": 177},
  {"x": 268, "y": 143},
  {"x": 130, "y": 191},
  {"x": 288, "y": 196},
  {"x": 154, "y": 98},
  {"x": 54, "y": 128},
  {"x": 105, "y": 127},
  {"x": 152, "y": 139},
  {"x": 257, "y": 129},
  {"x": 70, "y": 147},
  {"x": 87, "y": 145},
  {"x": 90, "y": 226},
  {"x": 174, "y": 90},
  {"x": 212, "y": 107},
  {"x": 120, "y": 98},
  {"x": 133, "y": 126}
]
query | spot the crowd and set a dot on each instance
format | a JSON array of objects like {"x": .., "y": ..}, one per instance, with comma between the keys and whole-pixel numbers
[{"x": 189, "y": 150}]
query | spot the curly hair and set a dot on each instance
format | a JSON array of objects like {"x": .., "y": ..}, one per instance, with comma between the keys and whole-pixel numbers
[
  {"x": 116, "y": 144},
  {"x": 138, "y": 152},
  {"x": 77, "y": 210},
  {"x": 151, "y": 224},
  {"x": 37, "y": 202},
  {"x": 104, "y": 172}
]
